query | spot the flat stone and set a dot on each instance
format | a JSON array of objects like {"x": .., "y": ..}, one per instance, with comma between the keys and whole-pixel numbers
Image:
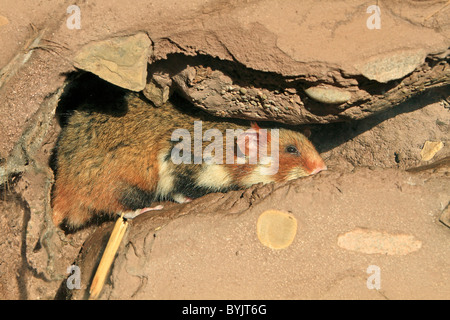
[
  {"x": 376, "y": 242},
  {"x": 430, "y": 148},
  {"x": 328, "y": 94},
  {"x": 121, "y": 61},
  {"x": 392, "y": 66}
]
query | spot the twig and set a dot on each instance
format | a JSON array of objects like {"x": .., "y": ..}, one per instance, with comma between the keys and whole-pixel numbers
[{"x": 108, "y": 257}]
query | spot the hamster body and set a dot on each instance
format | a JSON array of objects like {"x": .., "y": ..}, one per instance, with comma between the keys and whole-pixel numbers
[{"x": 107, "y": 163}]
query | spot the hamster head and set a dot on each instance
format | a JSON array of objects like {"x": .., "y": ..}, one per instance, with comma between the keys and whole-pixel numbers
[
  {"x": 297, "y": 156},
  {"x": 289, "y": 155}
]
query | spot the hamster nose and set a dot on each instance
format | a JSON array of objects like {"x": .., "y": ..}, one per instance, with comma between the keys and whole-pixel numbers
[{"x": 318, "y": 169}]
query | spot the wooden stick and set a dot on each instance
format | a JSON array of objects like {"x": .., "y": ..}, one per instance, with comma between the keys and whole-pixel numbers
[{"x": 108, "y": 257}]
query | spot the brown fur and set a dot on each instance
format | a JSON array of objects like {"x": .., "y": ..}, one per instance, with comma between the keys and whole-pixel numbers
[{"x": 105, "y": 162}]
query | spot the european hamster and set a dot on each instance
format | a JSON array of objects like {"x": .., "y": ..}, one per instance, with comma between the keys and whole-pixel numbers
[{"x": 110, "y": 163}]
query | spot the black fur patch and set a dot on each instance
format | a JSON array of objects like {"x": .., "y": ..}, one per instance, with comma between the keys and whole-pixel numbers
[
  {"x": 185, "y": 185},
  {"x": 135, "y": 198}
]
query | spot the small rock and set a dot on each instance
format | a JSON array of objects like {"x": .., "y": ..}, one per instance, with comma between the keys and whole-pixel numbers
[
  {"x": 188, "y": 76},
  {"x": 261, "y": 95},
  {"x": 429, "y": 149},
  {"x": 156, "y": 94},
  {"x": 328, "y": 94},
  {"x": 290, "y": 90},
  {"x": 243, "y": 91}
]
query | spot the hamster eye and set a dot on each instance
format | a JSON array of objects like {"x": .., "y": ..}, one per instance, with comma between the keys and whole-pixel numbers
[{"x": 292, "y": 149}]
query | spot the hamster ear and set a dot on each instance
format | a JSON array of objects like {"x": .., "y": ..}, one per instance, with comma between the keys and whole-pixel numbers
[
  {"x": 247, "y": 142},
  {"x": 263, "y": 135},
  {"x": 254, "y": 126},
  {"x": 306, "y": 132}
]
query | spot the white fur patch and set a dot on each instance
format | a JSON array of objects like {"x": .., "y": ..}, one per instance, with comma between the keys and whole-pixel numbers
[
  {"x": 179, "y": 198},
  {"x": 166, "y": 177},
  {"x": 214, "y": 176},
  {"x": 258, "y": 175}
]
